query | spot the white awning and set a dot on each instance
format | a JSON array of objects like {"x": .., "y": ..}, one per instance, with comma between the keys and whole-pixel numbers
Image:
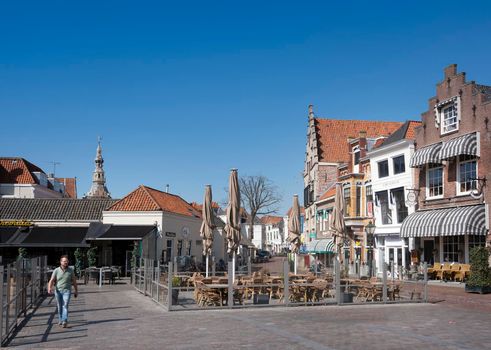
[
  {"x": 456, "y": 221},
  {"x": 426, "y": 155},
  {"x": 325, "y": 245},
  {"x": 463, "y": 145}
]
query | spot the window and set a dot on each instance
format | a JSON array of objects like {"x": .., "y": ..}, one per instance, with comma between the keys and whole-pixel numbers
[
  {"x": 369, "y": 200},
  {"x": 467, "y": 173},
  {"x": 449, "y": 118},
  {"x": 179, "y": 247},
  {"x": 476, "y": 241},
  {"x": 356, "y": 157},
  {"x": 453, "y": 246},
  {"x": 189, "y": 248},
  {"x": 434, "y": 180},
  {"x": 358, "y": 200},
  {"x": 347, "y": 200},
  {"x": 383, "y": 168},
  {"x": 400, "y": 204},
  {"x": 399, "y": 165},
  {"x": 383, "y": 202}
]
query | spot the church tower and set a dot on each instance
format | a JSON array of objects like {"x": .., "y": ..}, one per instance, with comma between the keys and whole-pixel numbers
[{"x": 98, "y": 188}]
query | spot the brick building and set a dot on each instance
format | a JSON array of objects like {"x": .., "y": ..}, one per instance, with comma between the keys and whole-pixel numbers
[
  {"x": 336, "y": 151},
  {"x": 452, "y": 163}
]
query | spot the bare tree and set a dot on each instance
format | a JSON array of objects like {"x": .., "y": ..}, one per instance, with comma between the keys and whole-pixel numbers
[{"x": 259, "y": 196}]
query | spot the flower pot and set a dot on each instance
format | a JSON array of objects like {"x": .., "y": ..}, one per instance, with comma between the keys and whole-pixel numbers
[
  {"x": 175, "y": 296},
  {"x": 478, "y": 289}
]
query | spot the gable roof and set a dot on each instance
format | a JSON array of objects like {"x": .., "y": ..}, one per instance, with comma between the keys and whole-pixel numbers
[
  {"x": 302, "y": 211},
  {"x": 149, "y": 199},
  {"x": 406, "y": 131},
  {"x": 330, "y": 193},
  {"x": 332, "y": 135},
  {"x": 18, "y": 171},
  {"x": 270, "y": 219},
  {"x": 70, "y": 185},
  {"x": 53, "y": 209}
]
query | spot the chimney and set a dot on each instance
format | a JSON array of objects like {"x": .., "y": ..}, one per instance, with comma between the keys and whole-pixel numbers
[
  {"x": 450, "y": 71},
  {"x": 362, "y": 134},
  {"x": 167, "y": 188}
]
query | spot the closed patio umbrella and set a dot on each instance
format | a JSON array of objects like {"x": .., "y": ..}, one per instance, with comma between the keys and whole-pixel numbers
[
  {"x": 294, "y": 229},
  {"x": 232, "y": 227},
  {"x": 207, "y": 225},
  {"x": 336, "y": 224}
]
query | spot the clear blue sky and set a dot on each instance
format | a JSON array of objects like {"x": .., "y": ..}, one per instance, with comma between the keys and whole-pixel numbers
[{"x": 183, "y": 91}]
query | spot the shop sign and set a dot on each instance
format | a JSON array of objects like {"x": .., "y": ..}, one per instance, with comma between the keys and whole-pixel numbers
[{"x": 15, "y": 223}]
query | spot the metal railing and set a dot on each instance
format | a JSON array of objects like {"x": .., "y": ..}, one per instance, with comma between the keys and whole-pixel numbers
[
  {"x": 179, "y": 290},
  {"x": 23, "y": 285}
]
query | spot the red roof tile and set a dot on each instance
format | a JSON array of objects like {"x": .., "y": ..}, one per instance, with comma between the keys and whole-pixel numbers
[
  {"x": 330, "y": 193},
  {"x": 332, "y": 136},
  {"x": 302, "y": 211},
  {"x": 410, "y": 132},
  {"x": 18, "y": 171},
  {"x": 269, "y": 219},
  {"x": 148, "y": 199},
  {"x": 70, "y": 185}
]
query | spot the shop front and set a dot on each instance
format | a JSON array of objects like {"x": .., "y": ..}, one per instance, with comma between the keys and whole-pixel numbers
[{"x": 447, "y": 234}]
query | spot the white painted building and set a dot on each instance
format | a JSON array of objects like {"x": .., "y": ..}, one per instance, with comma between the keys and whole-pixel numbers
[
  {"x": 177, "y": 222},
  {"x": 391, "y": 178},
  {"x": 273, "y": 232},
  {"x": 20, "y": 178}
]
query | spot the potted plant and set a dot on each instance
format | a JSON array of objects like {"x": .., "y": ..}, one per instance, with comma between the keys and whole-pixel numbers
[
  {"x": 79, "y": 261},
  {"x": 480, "y": 276},
  {"x": 92, "y": 256},
  {"x": 176, "y": 283}
]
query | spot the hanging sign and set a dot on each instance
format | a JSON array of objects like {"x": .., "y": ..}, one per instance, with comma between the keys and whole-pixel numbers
[{"x": 17, "y": 223}]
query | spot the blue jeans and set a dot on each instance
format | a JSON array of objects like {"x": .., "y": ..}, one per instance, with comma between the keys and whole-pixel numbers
[{"x": 62, "y": 300}]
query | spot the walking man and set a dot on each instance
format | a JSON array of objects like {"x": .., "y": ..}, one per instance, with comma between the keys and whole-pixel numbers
[{"x": 62, "y": 280}]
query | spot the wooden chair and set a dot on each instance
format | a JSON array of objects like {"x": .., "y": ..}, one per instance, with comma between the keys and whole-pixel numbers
[
  {"x": 433, "y": 271},
  {"x": 207, "y": 296},
  {"x": 440, "y": 274},
  {"x": 319, "y": 289},
  {"x": 454, "y": 268},
  {"x": 463, "y": 272}
]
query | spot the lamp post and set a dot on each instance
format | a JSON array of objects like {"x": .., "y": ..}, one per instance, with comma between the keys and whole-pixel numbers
[{"x": 370, "y": 230}]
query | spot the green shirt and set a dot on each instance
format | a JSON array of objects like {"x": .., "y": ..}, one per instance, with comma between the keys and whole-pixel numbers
[{"x": 63, "y": 278}]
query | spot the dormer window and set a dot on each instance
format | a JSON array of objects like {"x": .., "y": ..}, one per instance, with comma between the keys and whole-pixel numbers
[
  {"x": 449, "y": 119},
  {"x": 447, "y": 115}
]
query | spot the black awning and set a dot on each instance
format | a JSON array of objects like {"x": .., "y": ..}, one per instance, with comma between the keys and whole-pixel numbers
[
  {"x": 98, "y": 231},
  {"x": 47, "y": 237},
  {"x": 6, "y": 233}
]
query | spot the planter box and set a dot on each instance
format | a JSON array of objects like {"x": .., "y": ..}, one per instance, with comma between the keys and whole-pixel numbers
[
  {"x": 480, "y": 290},
  {"x": 346, "y": 298},
  {"x": 261, "y": 299}
]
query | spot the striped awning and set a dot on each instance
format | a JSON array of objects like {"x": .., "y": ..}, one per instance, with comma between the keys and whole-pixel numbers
[
  {"x": 325, "y": 245},
  {"x": 457, "y": 221},
  {"x": 426, "y": 155},
  {"x": 462, "y": 145}
]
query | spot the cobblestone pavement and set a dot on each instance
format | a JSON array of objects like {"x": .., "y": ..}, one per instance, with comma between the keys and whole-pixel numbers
[{"x": 119, "y": 317}]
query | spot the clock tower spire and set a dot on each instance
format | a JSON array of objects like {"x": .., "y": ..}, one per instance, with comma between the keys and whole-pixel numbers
[{"x": 98, "y": 188}]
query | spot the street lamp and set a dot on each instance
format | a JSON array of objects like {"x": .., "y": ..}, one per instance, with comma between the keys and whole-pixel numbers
[{"x": 370, "y": 230}]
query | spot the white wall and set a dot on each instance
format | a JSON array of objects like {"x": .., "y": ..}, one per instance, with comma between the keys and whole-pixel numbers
[{"x": 168, "y": 222}]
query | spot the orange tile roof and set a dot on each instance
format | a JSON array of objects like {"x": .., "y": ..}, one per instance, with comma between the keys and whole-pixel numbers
[
  {"x": 333, "y": 134},
  {"x": 330, "y": 193},
  {"x": 411, "y": 133},
  {"x": 199, "y": 206},
  {"x": 70, "y": 185},
  {"x": 269, "y": 219},
  {"x": 18, "y": 171},
  {"x": 149, "y": 199},
  {"x": 302, "y": 211}
]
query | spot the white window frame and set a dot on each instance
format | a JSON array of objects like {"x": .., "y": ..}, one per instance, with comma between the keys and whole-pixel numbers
[
  {"x": 457, "y": 182},
  {"x": 378, "y": 168},
  {"x": 393, "y": 167},
  {"x": 442, "y": 109},
  {"x": 428, "y": 181}
]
